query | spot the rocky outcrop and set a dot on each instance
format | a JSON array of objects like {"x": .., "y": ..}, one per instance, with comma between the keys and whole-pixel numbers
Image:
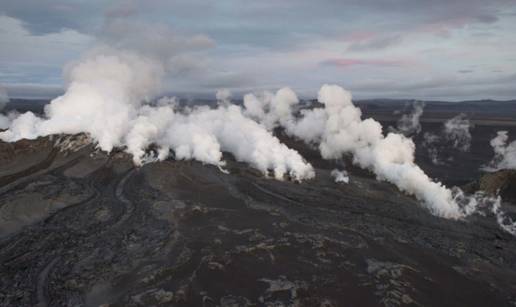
[{"x": 502, "y": 182}]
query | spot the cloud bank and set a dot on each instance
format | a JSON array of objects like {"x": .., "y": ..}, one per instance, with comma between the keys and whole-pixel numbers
[{"x": 395, "y": 50}]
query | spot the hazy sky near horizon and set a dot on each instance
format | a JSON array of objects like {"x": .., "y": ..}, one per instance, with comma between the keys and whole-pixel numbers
[{"x": 441, "y": 49}]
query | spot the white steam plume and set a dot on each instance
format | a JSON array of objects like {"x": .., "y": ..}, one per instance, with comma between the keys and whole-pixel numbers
[
  {"x": 106, "y": 98},
  {"x": 409, "y": 124},
  {"x": 340, "y": 176},
  {"x": 338, "y": 130},
  {"x": 107, "y": 94},
  {"x": 456, "y": 132},
  {"x": 203, "y": 133},
  {"x": 271, "y": 109},
  {"x": 505, "y": 154},
  {"x": 390, "y": 157},
  {"x": 105, "y": 91}
]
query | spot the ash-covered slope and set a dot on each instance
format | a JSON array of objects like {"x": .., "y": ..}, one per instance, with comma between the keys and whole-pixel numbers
[{"x": 81, "y": 227}]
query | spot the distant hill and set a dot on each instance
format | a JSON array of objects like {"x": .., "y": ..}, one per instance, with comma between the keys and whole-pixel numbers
[
  {"x": 473, "y": 108},
  {"x": 24, "y": 105}
]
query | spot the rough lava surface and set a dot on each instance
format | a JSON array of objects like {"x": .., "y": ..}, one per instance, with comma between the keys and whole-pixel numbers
[{"x": 81, "y": 227}]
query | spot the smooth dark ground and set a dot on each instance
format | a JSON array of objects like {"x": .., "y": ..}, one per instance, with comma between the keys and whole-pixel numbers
[{"x": 84, "y": 228}]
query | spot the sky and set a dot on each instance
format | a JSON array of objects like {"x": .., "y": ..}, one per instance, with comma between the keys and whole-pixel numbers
[{"x": 440, "y": 49}]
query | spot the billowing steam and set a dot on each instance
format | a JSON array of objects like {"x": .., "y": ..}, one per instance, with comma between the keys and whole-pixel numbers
[
  {"x": 505, "y": 154},
  {"x": 4, "y": 99},
  {"x": 409, "y": 124},
  {"x": 338, "y": 130},
  {"x": 271, "y": 109},
  {"x": 105, "y": 91},
  {"x": 204, "y": 133},
  {"x": 340, "y": 176},
  {"x": 106, "y": 98}
]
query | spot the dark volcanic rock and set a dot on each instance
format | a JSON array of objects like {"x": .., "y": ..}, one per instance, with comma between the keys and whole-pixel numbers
[
  {"x": 87, "y": 229},
  {"x": 502, "y": 182}
]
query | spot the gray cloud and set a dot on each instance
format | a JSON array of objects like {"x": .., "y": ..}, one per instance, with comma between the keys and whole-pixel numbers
[
  {"x": 486, "y": 18},
  {"x": 445, "y": 89},
  {"x": 232, "y": 21},
  {"x": 376, "y": 43},
  {"x": 268, "y": 44},
  {"x": 30, "y": 90},
  {"x": 349, "y": 62},
  {"x": 47, "y": 16},
  {"x": 155, "y": 39}
]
